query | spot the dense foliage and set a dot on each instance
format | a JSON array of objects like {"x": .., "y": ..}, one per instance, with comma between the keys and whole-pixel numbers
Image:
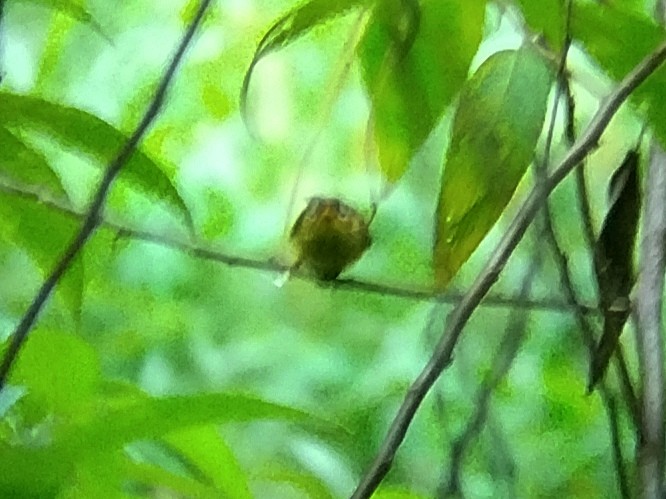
[{"x": 172, "y": 360}]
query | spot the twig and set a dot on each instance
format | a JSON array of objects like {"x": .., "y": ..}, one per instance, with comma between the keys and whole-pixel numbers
[
  {"x": 590, "y": 239},
  {"x": 92, "y": 218},
  {"x": 649, "y": 331},
  {"x": 513, "y": 337},
  {"x": 198, "y": 251},
  {"x": 457, "y": 319}
]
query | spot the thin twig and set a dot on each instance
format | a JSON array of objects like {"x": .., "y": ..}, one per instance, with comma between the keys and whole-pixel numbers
[
  {"x": 583, "y": 199},
  {"x": 198, "y": 251},
  {"x": 92, "y": 218},
  {"x": 566, "y": 276},
  {"x": 649, "y": 329},
  {"x": 488, "y": 276},
  {"x": 513, "y": 337},
  {"x": 562, "y": 263}
]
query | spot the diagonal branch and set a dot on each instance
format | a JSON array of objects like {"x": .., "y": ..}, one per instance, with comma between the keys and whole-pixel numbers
[
  {"x": 92, "y": 218},
  {"x": 458, "y": 318}
]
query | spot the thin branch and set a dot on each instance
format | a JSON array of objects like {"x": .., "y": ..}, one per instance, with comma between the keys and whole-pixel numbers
[
  {"x": 92, "y": 218},
  {"x": 649, "y": 329},
  {"x": 488, "y": 276},
  {"x": 547, "y": 304},
  {"x": 590, "y": 240},
  {"x": 616, "y": 443},
  {"x": 563, "y": 87},
  {"x": 514, "y": 335}
]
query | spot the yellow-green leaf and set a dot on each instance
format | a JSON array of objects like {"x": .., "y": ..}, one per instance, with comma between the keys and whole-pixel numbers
[
  {"x": 497, "y": 124},
  {"x": 410, "y": 84}
]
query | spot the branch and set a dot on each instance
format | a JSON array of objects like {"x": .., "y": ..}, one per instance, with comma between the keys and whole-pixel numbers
[
  {"x": 649, "y": 328},
  {"x": 457, "y": 319},
  {"x": 92, "y": 218},
  {"x": 198, "y": 251}
]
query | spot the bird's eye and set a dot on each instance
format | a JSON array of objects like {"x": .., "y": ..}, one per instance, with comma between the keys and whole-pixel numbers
[
  {"x": 344, "y": 212},
  {"x": 313, "y": 207}
]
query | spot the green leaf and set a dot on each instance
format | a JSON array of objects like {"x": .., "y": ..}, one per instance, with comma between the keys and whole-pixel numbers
[
  {"x": 591, "y": 25},
  {"x": 91, "y": 135},
  {"x": 44, "y": 234},
  {"x": 410, "y": 85},
  {"x": 204, "y": 449},
  {"x": 116, "y": 420},
  {"x": 73, "y": 9},
  {"x": 547, "y": 17},
  {"x": 134, "y": 418},
  {"x": 151, "y": 475},
  {"x": 27, "y": 166},
  {"x": 308, "y": 483},
  {"x": 291, "y": 26},
  {"x": 497, "y": 124},
  {"x": 60, "y": 371}
]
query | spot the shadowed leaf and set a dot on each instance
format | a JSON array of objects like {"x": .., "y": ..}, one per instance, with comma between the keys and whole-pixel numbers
[{"x": 613, "y": 260}]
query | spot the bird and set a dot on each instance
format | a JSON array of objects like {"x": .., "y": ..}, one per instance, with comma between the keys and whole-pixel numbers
[{"x": 329, "y": 235}]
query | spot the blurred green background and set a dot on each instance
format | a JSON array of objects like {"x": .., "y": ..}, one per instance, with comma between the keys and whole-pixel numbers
[{"x": 175, "y": 324}]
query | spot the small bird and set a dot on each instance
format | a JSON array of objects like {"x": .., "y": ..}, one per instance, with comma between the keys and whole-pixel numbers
[{"x": 329, "y": 235}]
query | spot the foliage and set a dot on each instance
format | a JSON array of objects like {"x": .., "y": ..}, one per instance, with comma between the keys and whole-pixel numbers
[{"x": 168, "y": 364}]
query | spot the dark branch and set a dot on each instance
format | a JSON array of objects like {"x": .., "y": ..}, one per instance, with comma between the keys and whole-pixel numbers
[
  {"x": 488, "y": 276},
  {"x": 92, "y": 218}
]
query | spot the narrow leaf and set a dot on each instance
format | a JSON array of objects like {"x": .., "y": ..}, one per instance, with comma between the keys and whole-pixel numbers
[
  {"x": 413, "y": 73},
  {"x": 43, "y": 234},
  {"x": 73, "y": 9},
  {"x": 613, "y": 260},
  {"x": 291, "y": 26},
  {"x": 91, "y": 135},
  {"x": 495, "y": 130},
  {"x": 27, "y": 166}
]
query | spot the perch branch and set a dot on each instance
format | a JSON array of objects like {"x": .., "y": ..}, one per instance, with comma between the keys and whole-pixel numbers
[{"x": 545, "y": 304}]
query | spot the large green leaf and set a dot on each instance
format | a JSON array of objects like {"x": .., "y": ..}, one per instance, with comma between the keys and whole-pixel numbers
[
  {"x": 90, "y": 135},
  {"x": 43, "y": 234},
  {"x": 497, "y": 124},
  {"x": 26, "y": 165},
  {"x": 411, "y": 83},
  {"x": 116, "y": 420},
  {"x": 291, "y": 26},
  {"x": 60, "y": 372}
]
